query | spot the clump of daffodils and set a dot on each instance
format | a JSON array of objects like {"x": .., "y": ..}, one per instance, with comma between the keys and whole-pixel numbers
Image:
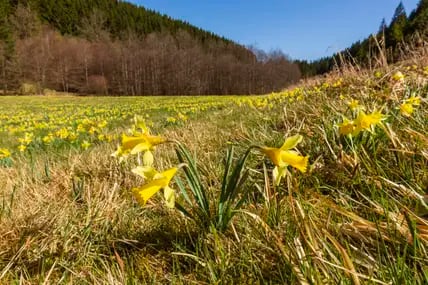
[
  {"x": 142, "y": 141},
  {"x": 286, "y": 155},
  {"x": 4, "y": 153},
  {"x": 25, "y": 141},
  {"x": 363, "y": 122},
  {"x": 408, "y": 106}
]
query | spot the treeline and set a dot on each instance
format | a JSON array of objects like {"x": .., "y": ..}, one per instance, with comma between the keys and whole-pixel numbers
[
  {"x": 389, "y": 44},
  {"x": 113, "y": 47}
]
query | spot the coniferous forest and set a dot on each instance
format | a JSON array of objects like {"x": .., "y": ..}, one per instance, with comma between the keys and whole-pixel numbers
[{"x": 113, "y": 47}]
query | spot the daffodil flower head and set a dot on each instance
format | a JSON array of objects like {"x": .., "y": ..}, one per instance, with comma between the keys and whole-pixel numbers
[
  {"x": 398, "y": 76},
  {"x": 367, "y": 121},
  {"x": 120, "y": 153},
  {"x": 141, "y": 142},
  {"x": 85, "y": 145},
  {"x": 414, "y": 100},
  {"x": 406, "y": 109},
  {"x": 378, "y": 74},
  {"x": 22, "y": 148},
  {"x": 285, "y": 156},
  {"x": 4, "y": 153},
  {"x": 354, "y": 105},
  {"x": 160, "y": 181},
  {"x": 347, "y": 127}
]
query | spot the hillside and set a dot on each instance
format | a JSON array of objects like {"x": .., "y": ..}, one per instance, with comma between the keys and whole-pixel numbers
[
  {"x": 114, "y": 47},
  {"x": 325, "y": 183}
]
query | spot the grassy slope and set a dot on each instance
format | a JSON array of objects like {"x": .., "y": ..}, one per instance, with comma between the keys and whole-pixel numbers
[{"x": 354, "y": 217}]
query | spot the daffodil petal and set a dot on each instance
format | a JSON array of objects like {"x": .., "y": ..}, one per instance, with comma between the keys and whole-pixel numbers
[
  {"x": 295, "y": 160},
  {"x": 145, "y": 192},
  {"x": 169, "y": 173},
  {"x": 147, "y": 172},
  {"x": 346, "y": 127},
  {"x": 169, "y": 196},
  {"x": 129, "y": 143},
  {"x": 166, "y": 175},
  {"x": 406, "y": 109},
  {"x": 274, "y": 154},
  {"x": 144, "y": 146},
  {"x": 291, "y": 142},
  {"x": 148, "y": 158},
  {"x": 278, "y": 173}
]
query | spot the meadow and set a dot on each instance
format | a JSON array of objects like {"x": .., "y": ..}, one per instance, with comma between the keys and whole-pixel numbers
[{"x": 325, "y": 182}]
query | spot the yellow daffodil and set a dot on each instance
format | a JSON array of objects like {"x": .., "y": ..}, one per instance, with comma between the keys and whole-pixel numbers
[
  {"x": 102, "y": 124},
  {"x": 406, "y": 109},
  {"x": 171, "y": 120},
  {"x": 81, "y": 128},
  {"x": 27, "y": 139},
  {"x": 285, "y": 156},
  {"x": 378, "y": 74},
  {"x": 160, "y": 181},
  {"x": 415, "y": 100},
  {"x": 140, "y": 124},
  {"x": 346, "y": 127},
  {"x": 92, "y": 130},
  {"x": 48, "y": 139},
  {"x": 85, "y": 145},
  {"x": 398, "y": 76},
  {"x": 62, "y": 133},
  {"x": 120, "y": 153},
  {"x": 182, "y": 117},
  {"x": 141, "y": 142},
  {"x": 22, "y": 148},
  {"x": 367, "y": 121},
  {"x": 338, "y": 83},
  {"x": 4, "y": 153},
  {"x": 72, "y": 137},
  {"x": 354, "y": 105}
]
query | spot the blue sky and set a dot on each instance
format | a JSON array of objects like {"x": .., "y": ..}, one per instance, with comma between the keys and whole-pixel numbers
[{"x": 303, "y": 29}]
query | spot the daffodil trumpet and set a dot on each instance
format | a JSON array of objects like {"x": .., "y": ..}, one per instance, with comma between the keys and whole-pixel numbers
[
  {"x": 155, "y": 182},
  {"x": 286, "y": 156}
]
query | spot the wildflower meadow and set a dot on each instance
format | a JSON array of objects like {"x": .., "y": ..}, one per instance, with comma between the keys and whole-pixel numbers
[{"x": 325, "y": 182}]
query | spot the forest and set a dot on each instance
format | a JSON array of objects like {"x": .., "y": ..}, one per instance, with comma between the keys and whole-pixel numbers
[{"x": 117, "y": 48}]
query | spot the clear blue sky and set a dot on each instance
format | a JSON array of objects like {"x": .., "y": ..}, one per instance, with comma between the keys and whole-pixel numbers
[{"x": 303, "y": 29}]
